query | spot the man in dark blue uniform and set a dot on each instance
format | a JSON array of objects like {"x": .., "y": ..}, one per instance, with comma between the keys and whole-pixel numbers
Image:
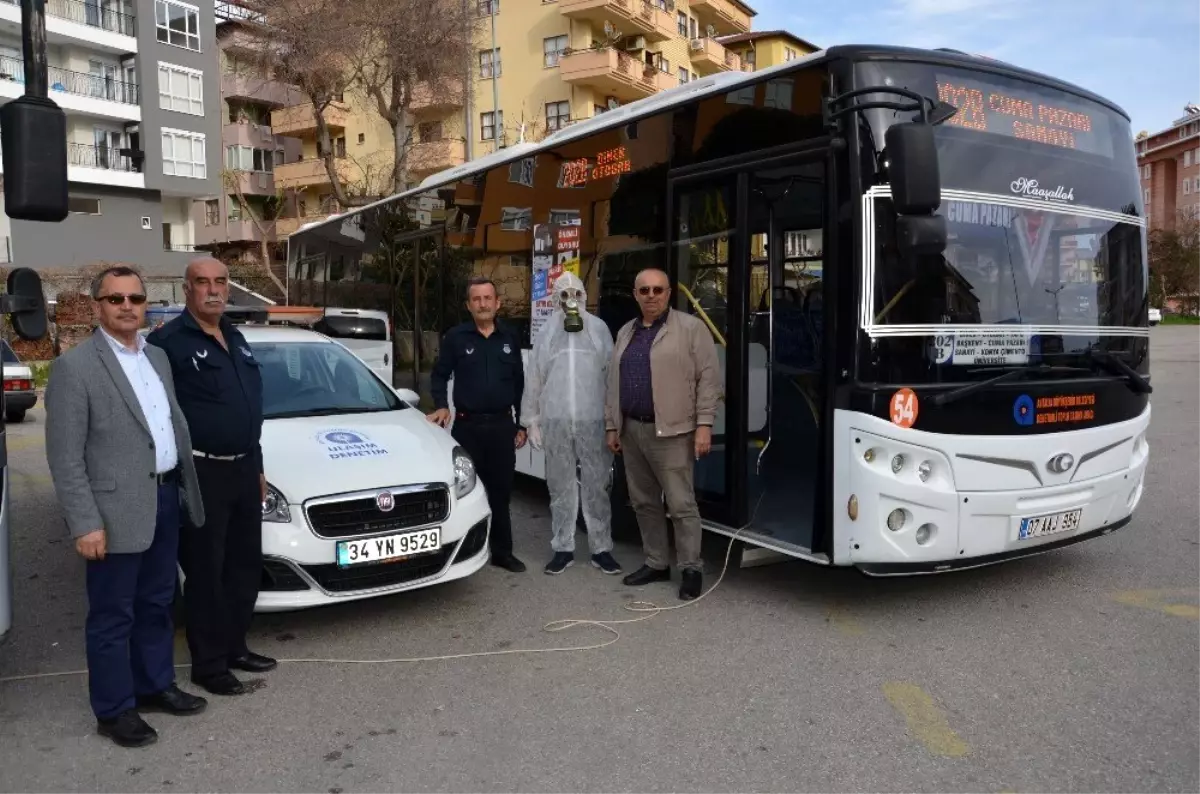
[
  {"x": 219, "y": 388},
  {"x": 484, "y": 357}
]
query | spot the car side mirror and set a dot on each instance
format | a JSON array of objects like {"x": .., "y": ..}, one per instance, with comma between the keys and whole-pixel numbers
[{"x": 409, "y": 396}]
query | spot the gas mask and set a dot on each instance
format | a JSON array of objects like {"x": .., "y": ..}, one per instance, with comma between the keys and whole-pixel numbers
[{"x": 570, "y": 296}]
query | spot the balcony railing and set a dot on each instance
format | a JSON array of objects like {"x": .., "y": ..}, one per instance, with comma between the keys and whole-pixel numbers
[
  {"x": 86, "y": 155},
  {"x": 89, "y": 12},
  {"x": 77, "y": 83}
]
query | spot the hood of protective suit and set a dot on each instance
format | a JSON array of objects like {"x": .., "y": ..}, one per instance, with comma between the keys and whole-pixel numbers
[{"x": 566, "y": 373}]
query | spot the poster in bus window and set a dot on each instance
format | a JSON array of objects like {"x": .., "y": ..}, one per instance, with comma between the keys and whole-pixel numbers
[{"x": 555, "y": 251}]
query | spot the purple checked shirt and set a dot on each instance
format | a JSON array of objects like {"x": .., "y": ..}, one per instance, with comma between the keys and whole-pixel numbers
[{"x": 637, "y": 398}]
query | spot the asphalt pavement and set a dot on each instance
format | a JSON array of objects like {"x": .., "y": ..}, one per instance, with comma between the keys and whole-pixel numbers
[{"x": 1071, "y": 671}]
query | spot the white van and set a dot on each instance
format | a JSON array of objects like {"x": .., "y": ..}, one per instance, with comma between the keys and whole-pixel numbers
[{"x": 365, "y": 332}]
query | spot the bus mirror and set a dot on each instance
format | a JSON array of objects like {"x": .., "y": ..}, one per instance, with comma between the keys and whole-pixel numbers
[
  {"x": 912, "y": 167},
  {"x": 26, "y": 303},
  {"x": 921, "y": 235}
]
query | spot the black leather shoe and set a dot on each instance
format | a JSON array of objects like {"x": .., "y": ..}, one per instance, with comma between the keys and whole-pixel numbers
[
  {"x": 691, "y": 584},
  {"x": 646, "y": 575},
  {"x": 220, "y": 684},
  {"x": 128, "y": 730},
  {"x": 509, "y": 563},
  {"x": 173, "y": 700},
  {"x": 253, "y": 663}
]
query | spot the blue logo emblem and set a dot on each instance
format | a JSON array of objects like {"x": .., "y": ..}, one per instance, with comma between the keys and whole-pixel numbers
[
  {"x": 343, "y": 437},
  {"x": 1023, "y": 410}
]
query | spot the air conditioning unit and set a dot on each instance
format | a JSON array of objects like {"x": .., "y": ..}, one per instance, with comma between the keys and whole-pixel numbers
[
  {"x": 697, "y": 44},
  {"x": 636, "y": 43}
]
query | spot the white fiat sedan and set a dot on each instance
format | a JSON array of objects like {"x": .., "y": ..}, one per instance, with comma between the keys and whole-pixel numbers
[{"x": 365, "y": 497}]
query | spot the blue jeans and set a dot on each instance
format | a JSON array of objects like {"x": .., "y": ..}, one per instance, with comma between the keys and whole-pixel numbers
[{"x": 130, "y": 636}]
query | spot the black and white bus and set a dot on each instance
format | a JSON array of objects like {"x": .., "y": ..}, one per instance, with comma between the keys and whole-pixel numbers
[{"x": 925, "y": 273}]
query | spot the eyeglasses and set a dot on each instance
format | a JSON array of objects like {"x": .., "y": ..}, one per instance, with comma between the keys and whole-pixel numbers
[
  {"x": 117, "y": 300},
  {"x": 647, "y": 290}
]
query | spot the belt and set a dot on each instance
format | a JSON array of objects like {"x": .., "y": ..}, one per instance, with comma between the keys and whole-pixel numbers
[
  {"x": 197, "y": 453},
  {"x": 504, "y": 415},
  {"x": 168, "y": 477}
]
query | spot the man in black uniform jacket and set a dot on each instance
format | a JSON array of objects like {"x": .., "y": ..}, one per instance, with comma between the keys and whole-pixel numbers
[
  {"x": 485, "y": 359},
  {"x": 219, "y": 387}
]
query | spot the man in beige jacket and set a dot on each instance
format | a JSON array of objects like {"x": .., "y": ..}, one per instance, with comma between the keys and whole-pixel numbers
[{"x": 664, "y": 384}]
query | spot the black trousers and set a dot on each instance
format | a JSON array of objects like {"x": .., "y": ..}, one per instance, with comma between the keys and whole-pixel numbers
[
  {"x": 489, "y": 441},
  {"x": 222, "y": 564}
]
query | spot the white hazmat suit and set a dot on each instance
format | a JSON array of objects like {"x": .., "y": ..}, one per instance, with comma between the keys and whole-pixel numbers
[{"x": 563, "y": 409}]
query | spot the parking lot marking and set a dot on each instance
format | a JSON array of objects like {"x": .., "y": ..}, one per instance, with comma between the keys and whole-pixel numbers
[
  {"x": 925, "y": 719},
  {"x": 1163, "y": 600}
]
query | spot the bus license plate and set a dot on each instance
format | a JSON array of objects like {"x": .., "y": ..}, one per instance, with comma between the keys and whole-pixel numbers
[
  {"x": 388, "y": 547},
  {"x": 1040, "y": 526}
]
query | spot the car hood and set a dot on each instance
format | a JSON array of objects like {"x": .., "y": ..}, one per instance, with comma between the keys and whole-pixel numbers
[{"x": 318, "y": 456}]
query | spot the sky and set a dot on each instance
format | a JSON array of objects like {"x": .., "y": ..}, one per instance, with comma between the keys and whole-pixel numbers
[{"x": 1144, "y": 55}]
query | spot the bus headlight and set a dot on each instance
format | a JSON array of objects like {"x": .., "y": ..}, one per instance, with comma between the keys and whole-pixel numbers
[
  {"x": 896, "y": 519},
  {"x": 924, "y": 470},
  {"x": 464, "y": 473},
  {"x": 897, "y": 464},
  {"x": 923, "y": 534},
  {"x": 275, "y": 507}
]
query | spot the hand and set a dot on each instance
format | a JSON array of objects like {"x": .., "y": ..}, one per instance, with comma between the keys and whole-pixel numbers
[
  {"x": 613, "y": 439},
  {"x": 440, "y": 417},
  {"x": 520, "y": 439},
  {"x": 535, "y": 436},
  {"x": 703, "y": 441},
  {"x": 262, "y": 486},
  {"x": 92, "y": 546}
]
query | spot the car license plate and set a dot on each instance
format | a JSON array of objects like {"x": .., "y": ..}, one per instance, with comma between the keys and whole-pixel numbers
[
  {"x": 388, "y": 547},
  {"x": 1040, "y": 526}
]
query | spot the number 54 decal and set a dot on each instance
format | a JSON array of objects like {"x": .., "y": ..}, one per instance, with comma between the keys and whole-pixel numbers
[{"x": 904, "y": 408}]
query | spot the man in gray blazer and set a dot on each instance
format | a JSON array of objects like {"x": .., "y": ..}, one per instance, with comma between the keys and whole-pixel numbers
[{"x": 121, "y": 459}]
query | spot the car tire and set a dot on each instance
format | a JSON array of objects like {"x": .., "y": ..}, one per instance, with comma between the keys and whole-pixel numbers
[{"x": 14, "y": 416}]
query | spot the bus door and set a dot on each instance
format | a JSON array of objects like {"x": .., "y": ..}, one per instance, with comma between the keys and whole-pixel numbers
[{"x": 746, "y": 250}]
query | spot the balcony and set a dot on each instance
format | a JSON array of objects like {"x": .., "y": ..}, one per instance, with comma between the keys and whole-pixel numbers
[
  {"x": 258, "y": 89},
  {"x": 309, "y": 173},
  {"x": 233, "y": 230},
  {"x": 427, "y": 97},
  {"x": 724, "y": 15},
  {"x": 85, "y": 155},
  {"x": 709, "y": 56},
  {"x": 75, "y": 91},
  {"x": 255, "y": 183},
  {"x": 614, "y": 73},
  {"x": 299, "y": 120},
  {"x": 429, "y": 157},
  {"x": 288, "y": 226},
  {"x": 257, "y": 136},
  {"x": 631, "y": 17},
  {"x": 70, "y": 21}
]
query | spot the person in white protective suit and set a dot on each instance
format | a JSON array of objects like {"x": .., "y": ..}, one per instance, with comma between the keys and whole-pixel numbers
[{"x": 563, "y": 409}]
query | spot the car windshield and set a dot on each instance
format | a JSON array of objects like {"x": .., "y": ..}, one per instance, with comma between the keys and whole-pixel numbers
[
  {"x": 318, "y": 379},
  {"x": 7, "y": 354}
]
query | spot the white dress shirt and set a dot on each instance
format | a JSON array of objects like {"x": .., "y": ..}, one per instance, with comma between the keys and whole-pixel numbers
[{"x": 152, "y": 396}]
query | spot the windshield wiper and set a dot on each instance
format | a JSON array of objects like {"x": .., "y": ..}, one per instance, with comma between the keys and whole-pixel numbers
[
  {"x": 326, "y": 412},
  {"x": 1117, "y": 366},
  {"x": 1013, "y": 374}
]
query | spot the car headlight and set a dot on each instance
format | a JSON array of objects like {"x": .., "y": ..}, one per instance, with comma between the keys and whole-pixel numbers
[
  {"x": 275, "y": 507},
  {"x": 464, "y": 473}
]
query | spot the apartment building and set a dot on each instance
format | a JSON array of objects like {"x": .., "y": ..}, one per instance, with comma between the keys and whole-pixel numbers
[
  {"x": 539, "y": 65},
  {"x": 138, "y": 82},
  {"x": 765, "y": 48},
  {"x": 239, "y": 223},
  {"x": 1169, "y": 161}
]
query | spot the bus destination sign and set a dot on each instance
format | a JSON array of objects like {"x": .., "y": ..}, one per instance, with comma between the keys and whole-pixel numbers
[
  {"x": 609, "y": 163},
  {"x": 985, "y": 107}
]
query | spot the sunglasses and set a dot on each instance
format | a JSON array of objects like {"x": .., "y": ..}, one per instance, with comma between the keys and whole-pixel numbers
[
  {"x": 648, "y": 290},
  {"x": 117, "y": 300}
]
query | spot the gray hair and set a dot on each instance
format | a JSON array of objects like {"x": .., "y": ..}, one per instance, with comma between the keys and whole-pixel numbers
[
  {"x": 118, "y": 271},
  {"x": 480, "y": 281}
]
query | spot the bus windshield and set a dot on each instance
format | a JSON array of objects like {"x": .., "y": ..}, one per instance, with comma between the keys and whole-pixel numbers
[{"x": 1045, "y": 221}]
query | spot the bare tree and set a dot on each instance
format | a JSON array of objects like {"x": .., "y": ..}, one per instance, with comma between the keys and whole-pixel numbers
[
  {"x": 411, "y": 48},
  {"x": 309, "y": 43},
  {"x": 263, "y": 221}
]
